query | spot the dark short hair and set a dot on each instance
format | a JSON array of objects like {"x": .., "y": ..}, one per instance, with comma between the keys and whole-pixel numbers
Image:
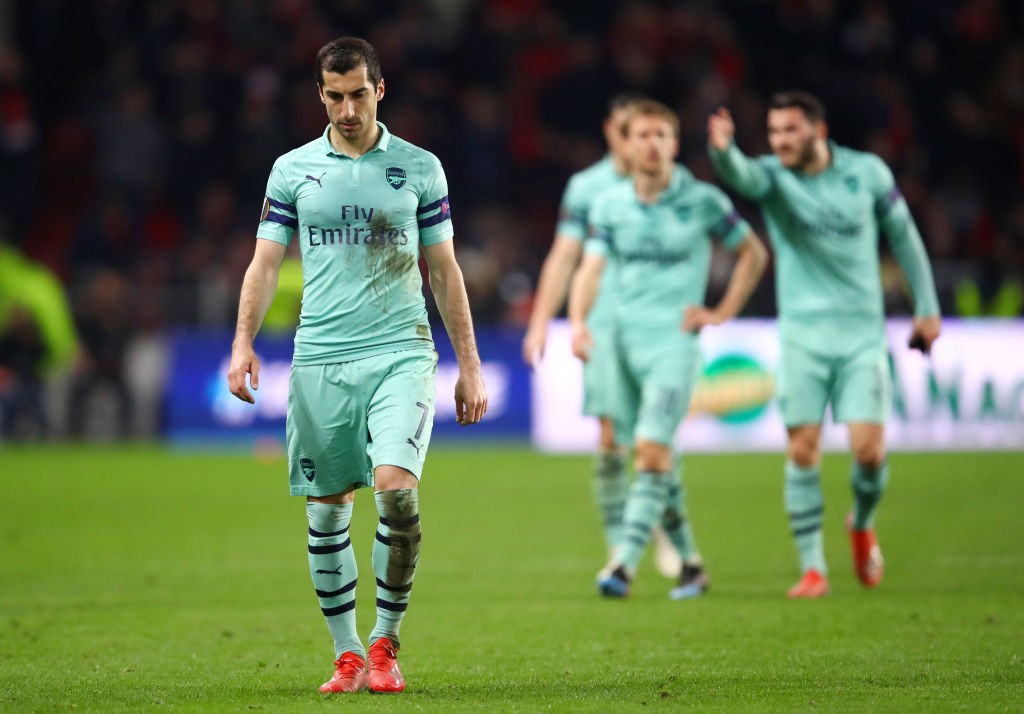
[
  {"x": 345, "y": 54},
  {"x": 811, "y": 106}
]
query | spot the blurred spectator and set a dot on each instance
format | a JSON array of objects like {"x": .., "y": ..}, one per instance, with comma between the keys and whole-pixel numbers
[
  {"x": 22, "y": 352},
  {"x": 101, "y": 402},
  {"x": 37, "y": 342},
  {"x": 152, "y": 161}
]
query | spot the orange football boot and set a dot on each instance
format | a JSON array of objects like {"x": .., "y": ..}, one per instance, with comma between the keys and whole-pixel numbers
[
  {"x": 385, "y": 676},
  {"x": 867, "y": 556},
  {"x": 812, "y": 585},
  {"x": 350, "y": 675}
]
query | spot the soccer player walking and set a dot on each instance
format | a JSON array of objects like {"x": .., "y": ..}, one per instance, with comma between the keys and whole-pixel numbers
[
  {"x": 610, "y": 482},
  {"x": 824, "y": 206},
  {"x": 362, "y": 203},
  {"x": 656, "y": 232}
]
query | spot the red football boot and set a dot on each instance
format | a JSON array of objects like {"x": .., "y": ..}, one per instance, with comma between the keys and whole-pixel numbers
[
  {"x": 350, "y": 675},
  {"x": 385, "y": 676},
  {"x": 867, "y": 556},
  {"x": 812, "y": 585}
]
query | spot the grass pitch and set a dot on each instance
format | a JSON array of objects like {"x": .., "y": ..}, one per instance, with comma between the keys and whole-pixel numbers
[{"x": 148, "y": 580}]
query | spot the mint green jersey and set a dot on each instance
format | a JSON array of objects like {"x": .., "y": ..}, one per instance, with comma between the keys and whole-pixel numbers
[
  {"x": 661, "y": 252},
  {"x": 825, "y": 229},
  {"x": 577, "y": 199},
  {"x": 360, "y": 223}
]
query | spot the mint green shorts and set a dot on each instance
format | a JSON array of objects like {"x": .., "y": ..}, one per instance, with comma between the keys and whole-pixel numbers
[
  {"x": 853, "y": 375},
  {"x": 598, "y": 372},
  {"x": 653, "y": 381},
  {"x": 346, "y": 419}
]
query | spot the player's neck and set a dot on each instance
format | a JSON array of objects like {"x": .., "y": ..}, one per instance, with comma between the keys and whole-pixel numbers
[
  {"x": 650, "y": 186},
  {"x": 620, "y": 165},
  {"x": 360, "y": 146},
  {"x": 822, "y": 159}
]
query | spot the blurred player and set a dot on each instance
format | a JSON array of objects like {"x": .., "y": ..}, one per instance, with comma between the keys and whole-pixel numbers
[
  {"x": 824, "y": 205},
  {"x": 363, "y": 203},
  {"x": 656, "y": 231},
  {"x": 610, "y": 482}
]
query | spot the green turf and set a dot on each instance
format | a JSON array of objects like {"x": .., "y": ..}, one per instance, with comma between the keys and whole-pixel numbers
[{"x": 145, "y": 580}]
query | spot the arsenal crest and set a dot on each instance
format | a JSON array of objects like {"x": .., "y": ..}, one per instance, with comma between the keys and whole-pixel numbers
[{"x": 395, "y": 177}]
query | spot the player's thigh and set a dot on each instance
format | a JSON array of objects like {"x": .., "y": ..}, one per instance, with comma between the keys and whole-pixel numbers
[
  {"x": 400, "y": 418},
  {"x": 803, "y": 383},
  {"x": 599, "y": 375},
  {"x": 670, "y": 374},
  {"x": 863, "y": 388},
  {"x": 326, "y": 430}
]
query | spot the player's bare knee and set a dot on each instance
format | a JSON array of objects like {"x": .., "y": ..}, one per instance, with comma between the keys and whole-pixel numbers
[
  {"x": 804, "y": 452},
  {"x": 870, "y": 455},
  {"x": 803, "y": 447},
  {"x": 392, "y": 478},
  {"x": 652, "y": 456}
]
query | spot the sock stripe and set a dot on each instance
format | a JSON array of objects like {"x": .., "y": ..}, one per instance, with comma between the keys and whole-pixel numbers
[
  {"x": 333, "y": 548},
  {"x": 318, "y": 534},
  {"x": 392, "y": 606},
  {"x": 394, "y": 588},
  {"x": 816, "y": 511},
  {"x": 341, "y": 609},
  {"x": 808, "y": 479},
  {"x": 400, "y": 524},
  {"x": 386, "y": 540},
  {"x": 335, "y": 593},
  {"x": 807, "y": 530}
]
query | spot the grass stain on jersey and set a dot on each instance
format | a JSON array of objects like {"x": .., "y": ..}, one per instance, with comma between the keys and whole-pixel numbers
[{"x": 390, "y": 265}]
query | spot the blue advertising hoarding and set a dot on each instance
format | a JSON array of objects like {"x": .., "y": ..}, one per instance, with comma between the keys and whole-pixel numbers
[{"x": 199, "y": 409}]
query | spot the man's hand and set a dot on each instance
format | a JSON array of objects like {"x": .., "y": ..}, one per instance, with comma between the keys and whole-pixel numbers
[
  {"x": 243, "y": 361},
  {"x": 470, "y": 397},
  {"x": 926, "y": 331},
  {"x": 697, "y": 316},
  {"x": 533, "y": 345},
  {"x": 721, "y": 129},
  {"x": 582, "y": 341}
]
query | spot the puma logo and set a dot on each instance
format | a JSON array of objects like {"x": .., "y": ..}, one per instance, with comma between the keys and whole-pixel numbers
[
  {"x": 314, "y": 178},
  {"x": 336, "y": 571},
  {"x": 413, "y": 444}
]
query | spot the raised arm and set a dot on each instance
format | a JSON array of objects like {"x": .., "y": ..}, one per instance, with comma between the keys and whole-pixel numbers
[
  {"x": 744, "y": 175},
  {"x": 258, "y": 289},
  {"x": 449, "y": 290}
]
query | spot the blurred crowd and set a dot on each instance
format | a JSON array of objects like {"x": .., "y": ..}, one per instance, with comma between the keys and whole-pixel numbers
[{"x": 136, "y": 137}]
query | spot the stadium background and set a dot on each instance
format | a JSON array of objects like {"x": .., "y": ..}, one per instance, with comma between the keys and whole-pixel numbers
[
  {"x": 135, "y": 141},
  {"x": 137, "y": 138}
]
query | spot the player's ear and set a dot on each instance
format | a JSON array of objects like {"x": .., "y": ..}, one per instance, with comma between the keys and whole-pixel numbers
[
  {"x": 380, "y": 89},
  {"x": 320, "y": 91},
  {"x": 822, "y": 130}
]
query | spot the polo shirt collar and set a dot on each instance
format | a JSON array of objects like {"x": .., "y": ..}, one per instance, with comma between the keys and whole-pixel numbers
[{"x": 383, "y": 141}]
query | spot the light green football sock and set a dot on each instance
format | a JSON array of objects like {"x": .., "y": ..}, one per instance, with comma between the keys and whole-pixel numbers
[
  {"x": 396, "y": 550},
  {"x": 868, "y": 486},
  {"x": 611, "y": 488},
  {"x": 675, "y": 520},
  {"x": 805, "y": 506},
  {"x": 332, "y": 565},
  {"x": 644, "y": 507}
]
